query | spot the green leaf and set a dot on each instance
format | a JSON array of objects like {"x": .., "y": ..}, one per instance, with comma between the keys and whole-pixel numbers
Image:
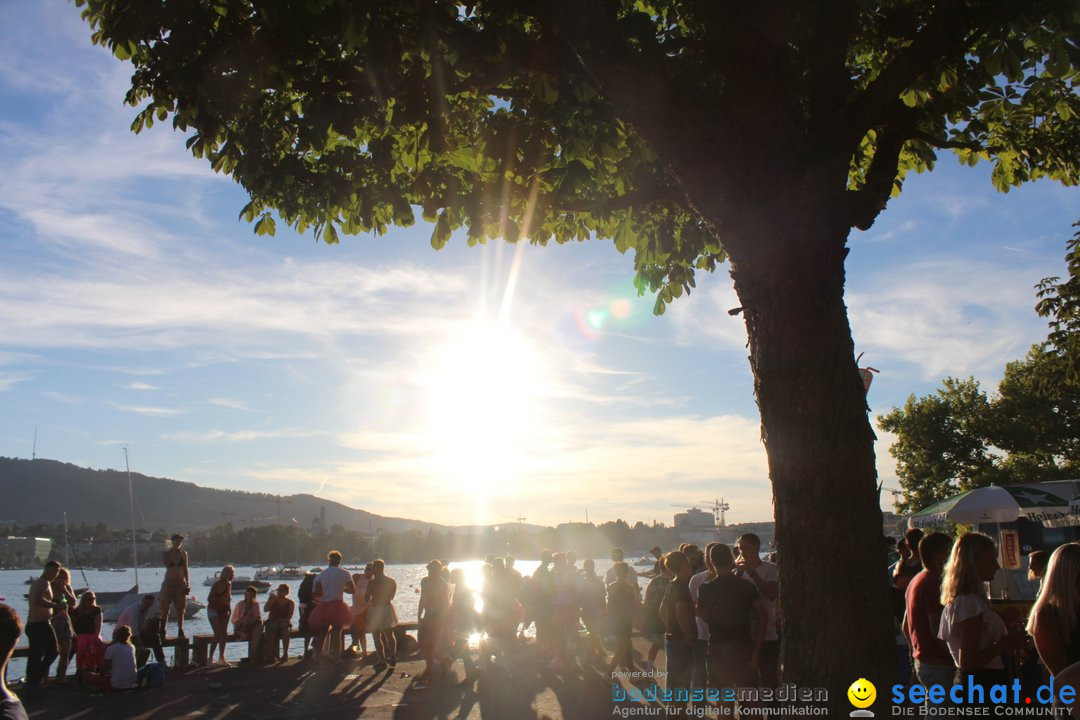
[
  {"x": 624, "y": 235},
  {"x": 330, "y": 235},
  {"x": 265, "y": 226},
  {"x": 441, "y": 234}
]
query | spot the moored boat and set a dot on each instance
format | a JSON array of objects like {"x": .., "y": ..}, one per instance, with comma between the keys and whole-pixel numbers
[
  {"x": 266, "y": 573},
  {"x": 239, "y": 588},
  {"x": 290, "y": 572},
  {"x": 215, "y": 576}
]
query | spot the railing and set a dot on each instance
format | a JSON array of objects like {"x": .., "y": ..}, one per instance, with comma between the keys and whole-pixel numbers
[{"x": 196, "y": 647}]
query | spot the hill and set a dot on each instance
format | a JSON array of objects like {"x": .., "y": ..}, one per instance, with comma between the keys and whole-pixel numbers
[{"x": 40, "y": 491}]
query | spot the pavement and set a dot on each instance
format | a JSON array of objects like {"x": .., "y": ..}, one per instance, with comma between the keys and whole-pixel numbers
[{"x": 518, "y": 689}]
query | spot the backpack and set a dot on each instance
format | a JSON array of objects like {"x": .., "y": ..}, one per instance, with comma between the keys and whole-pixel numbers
[
  {"x": 151, "y": 675},
  {"x": 650, "y": 608}
]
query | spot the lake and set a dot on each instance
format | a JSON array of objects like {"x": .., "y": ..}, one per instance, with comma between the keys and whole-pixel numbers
[{"x": 408, "y": 576}]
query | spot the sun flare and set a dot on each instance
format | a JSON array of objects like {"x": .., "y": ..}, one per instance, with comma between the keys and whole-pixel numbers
[{"x": 482, "y": 401}]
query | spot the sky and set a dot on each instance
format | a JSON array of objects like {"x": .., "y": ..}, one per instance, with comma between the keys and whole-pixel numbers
[{"x": 468, "y": 385}]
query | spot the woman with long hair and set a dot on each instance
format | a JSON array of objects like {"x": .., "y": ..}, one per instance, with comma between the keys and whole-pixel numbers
[
  {"x": 1053, "y": 621},
  {"x": 61, "y": 622},
  {"x": 976, "y": 635},
  {"x": 86, "y": 623},
  {"x": 247, "y": 623},
  {"x": 218, "y": 605}
]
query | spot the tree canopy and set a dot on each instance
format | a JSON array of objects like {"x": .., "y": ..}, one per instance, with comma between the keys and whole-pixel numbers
[{"x": 564, "y": 121}]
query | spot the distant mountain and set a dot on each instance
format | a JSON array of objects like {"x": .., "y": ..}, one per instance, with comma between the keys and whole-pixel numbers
[{"x": 40, "y": 491}]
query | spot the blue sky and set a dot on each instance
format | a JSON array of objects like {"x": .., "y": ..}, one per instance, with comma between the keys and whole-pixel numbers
[{"x": 467, "y": 385}]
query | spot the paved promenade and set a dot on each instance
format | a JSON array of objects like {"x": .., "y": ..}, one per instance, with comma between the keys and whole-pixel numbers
[{"x": 522, "y": 689}]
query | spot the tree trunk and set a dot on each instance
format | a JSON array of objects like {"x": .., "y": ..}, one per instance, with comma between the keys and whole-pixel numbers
[{"x": 837, "y": 627}]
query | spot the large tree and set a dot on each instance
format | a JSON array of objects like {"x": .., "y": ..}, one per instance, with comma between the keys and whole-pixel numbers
[
  {"x": 688, "y": 131},
  {"x": 959, "y": 438},
  {"x": 941, "y": 445}
]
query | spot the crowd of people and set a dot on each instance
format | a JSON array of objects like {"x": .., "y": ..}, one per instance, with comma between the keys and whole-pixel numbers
[
  {"x": 713, "y": 612},
  {"x": 955, "y": 635},
  {"x": 576, "y": 614}
]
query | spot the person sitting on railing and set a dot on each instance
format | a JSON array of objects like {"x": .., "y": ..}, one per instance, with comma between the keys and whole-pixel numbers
[
  {"x": 248, "y": 622},
  {"x": 279, "y": 608},
  {"x": 86, "y": 622}
]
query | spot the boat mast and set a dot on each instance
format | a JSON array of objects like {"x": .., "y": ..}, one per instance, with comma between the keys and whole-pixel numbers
[{"x": 131, "y": 508}]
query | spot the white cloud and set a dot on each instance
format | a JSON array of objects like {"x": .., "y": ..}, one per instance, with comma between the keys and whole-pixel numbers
[
  {"x": 702, "y": 317},
  {"x": 628, "y": 467},
  {"x": 139, "y": 386},
  {"x": 945, "y": 317},
  {"x": 149, "y": 411},
  {"x": 231, "y": 403},
  {"x": 235, "y": 436}
]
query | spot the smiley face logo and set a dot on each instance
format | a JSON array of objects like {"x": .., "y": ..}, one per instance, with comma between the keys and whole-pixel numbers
[{"x": 862, "y": 693}]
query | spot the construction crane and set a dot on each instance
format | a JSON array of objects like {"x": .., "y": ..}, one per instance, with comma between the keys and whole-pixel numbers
[{"x": 719, "y": 507}]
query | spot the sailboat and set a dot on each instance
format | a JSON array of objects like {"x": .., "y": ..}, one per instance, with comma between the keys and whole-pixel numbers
[{"x": 114, "y": 603}]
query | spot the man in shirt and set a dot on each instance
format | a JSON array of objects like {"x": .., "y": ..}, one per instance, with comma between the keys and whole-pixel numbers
[
  {"x": 922, "y": 600},
  {"x": 702, "y": 641},
  {"x": 331, "y": 615},
  {"x": 766, "y": 579},
  {"x": 677, "y": 611},
  {"x": 617, "y": 556},
  {"x": 732, "y": 608},
  {"x": 909, "y": 565},
  {"x": 144, "y": 619}
]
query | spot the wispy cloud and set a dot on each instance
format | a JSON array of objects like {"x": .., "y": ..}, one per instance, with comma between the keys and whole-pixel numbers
[
  {"x": 945, "y": 317},
  {"x": 231, "y": 403},
  {"x": 150, "y": 411},
  {"x": 65, "y": 398},
  {"x": 234, "y": 436},
  {"x": 139, "y": 386}
]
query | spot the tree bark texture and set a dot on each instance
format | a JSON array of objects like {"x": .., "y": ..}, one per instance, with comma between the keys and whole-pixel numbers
[{"x": 788, "y": 269}]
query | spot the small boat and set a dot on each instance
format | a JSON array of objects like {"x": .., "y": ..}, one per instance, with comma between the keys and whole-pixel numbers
[
  {"x": 214, "y": 577},
  {"x": 112, "y": 610},
  {"x": 266, "y": 573},
  {"x": 290, "y": 572},
  {"x": 645, "y": 562},
  {"x": 239, "y": 588}
]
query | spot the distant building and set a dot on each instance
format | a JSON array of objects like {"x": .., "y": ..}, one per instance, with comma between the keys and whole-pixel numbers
[
  {"x": 695, "y": 519},
  {"x": 116, "y": 552},
  {"x": 22, "y": 551}
]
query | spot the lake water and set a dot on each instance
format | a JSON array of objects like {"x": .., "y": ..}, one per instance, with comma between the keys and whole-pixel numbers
[{"x": 408, "y": 576}]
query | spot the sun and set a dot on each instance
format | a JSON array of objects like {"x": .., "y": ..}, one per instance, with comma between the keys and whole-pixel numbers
[{"x": 483, "y": 389}]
